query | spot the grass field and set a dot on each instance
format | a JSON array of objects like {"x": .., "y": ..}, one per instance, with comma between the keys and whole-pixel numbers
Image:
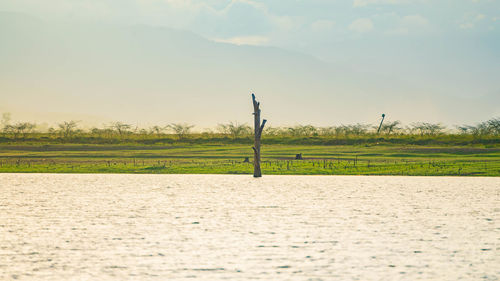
[{"x": 189, "y": 158}]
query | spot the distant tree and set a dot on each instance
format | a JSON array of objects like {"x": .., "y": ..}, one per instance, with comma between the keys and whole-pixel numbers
[
  {"x": 327, "y": 131},
  {"x": 418, "y": 127},
  {"x": 294, "y": 131},
  {"x": 121, "y": 128},
  {"x": 302, "y": 130},
  {"x": 98, "y": 132},
  {"x": 20, "y": 129},
  {"x": 234, "y": 129},
  {"x": 494, "y": 125},
  {"x": 158, "y": 130},
  {"x": 273, "y": 131},
  {"x": 52, "y": 131},
  {"x": 490, "y": 127},
  {"x": 355, "y": 129},
  {"x": 435, "y": 129},
  {"x": 6, "y": 117},
  {"x": 181, "y": 129},
  {"x": 309, "y": 130},
  {"x": 427, "y": 128},
  {"x": 338, "y": 130},
  {"x": 68, "y": 128},
  {"x": 27, "y": 128},
  {"x": 480, "y": 129},
  {"x": 390, "y": 127},
  {"x": 464, "y": 129}
]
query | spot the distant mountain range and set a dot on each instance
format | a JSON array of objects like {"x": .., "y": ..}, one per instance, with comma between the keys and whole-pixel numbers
[{"x": 52, "y": 71}]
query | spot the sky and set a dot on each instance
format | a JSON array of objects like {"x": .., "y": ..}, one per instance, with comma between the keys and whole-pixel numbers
[
  {"x": 445, "y": 48},
  {"x": 313, "y": 26}
]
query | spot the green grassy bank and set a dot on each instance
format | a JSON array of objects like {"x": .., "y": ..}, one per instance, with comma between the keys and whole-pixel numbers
[{"x": 433, "y": 158}]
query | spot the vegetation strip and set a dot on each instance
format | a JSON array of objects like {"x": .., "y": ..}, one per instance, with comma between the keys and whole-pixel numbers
[
  {"x": 421, "y": 149},
  {"x": 277, "y": 159}
]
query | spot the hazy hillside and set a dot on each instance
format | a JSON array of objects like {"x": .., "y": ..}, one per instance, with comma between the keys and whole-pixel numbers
[{"x": 52, "y": 71}]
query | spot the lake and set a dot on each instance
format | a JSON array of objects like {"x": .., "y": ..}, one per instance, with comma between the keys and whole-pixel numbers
[{"x": 234, "y": 227}]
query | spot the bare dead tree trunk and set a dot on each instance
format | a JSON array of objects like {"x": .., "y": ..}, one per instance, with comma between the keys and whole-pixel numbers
[
  {"x": 258, "y": 128},
  {"x": 382, "y": 121}
]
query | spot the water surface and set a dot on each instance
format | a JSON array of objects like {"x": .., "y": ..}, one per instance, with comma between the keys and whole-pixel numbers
[{"x": 211, "y": 227}]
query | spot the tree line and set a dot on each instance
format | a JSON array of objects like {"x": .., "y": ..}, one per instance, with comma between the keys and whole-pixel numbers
[{"x": 71, "y": 129}]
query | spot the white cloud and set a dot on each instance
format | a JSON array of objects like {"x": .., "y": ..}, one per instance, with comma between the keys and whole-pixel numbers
[
  {"x": 398, "y": 31},
  {"x": 282, "y": 22},
  {"x": 361, "y": 25},
  {"x": 471, "y": 21},
  {"x": 247, "y": 14},
  {"x": 407, "y": 24},
  {"x": 364, "y": 3},
  {"x": 480, "y": 17},
  {"x": 467, "y": 25},
  {"x": 244, "y": 40},
  {"x": 414, "y": 20},
  {"x": 322, "y": 25}
]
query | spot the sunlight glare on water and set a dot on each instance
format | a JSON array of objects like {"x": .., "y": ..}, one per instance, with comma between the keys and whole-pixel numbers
[{"x": 209, "y": 227}]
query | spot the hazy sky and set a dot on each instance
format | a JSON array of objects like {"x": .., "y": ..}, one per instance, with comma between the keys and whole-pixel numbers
[
  {"x": 450, "y": 48},
  {"x": 317, "y": 27}
]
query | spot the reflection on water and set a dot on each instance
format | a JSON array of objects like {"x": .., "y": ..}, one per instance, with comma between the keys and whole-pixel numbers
[{"x": 236, "y": 227}]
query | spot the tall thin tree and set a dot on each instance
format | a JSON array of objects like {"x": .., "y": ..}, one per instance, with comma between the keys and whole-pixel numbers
[
  {"x": 258, "y": 128},
  {"x": 381, "y": 121}
]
